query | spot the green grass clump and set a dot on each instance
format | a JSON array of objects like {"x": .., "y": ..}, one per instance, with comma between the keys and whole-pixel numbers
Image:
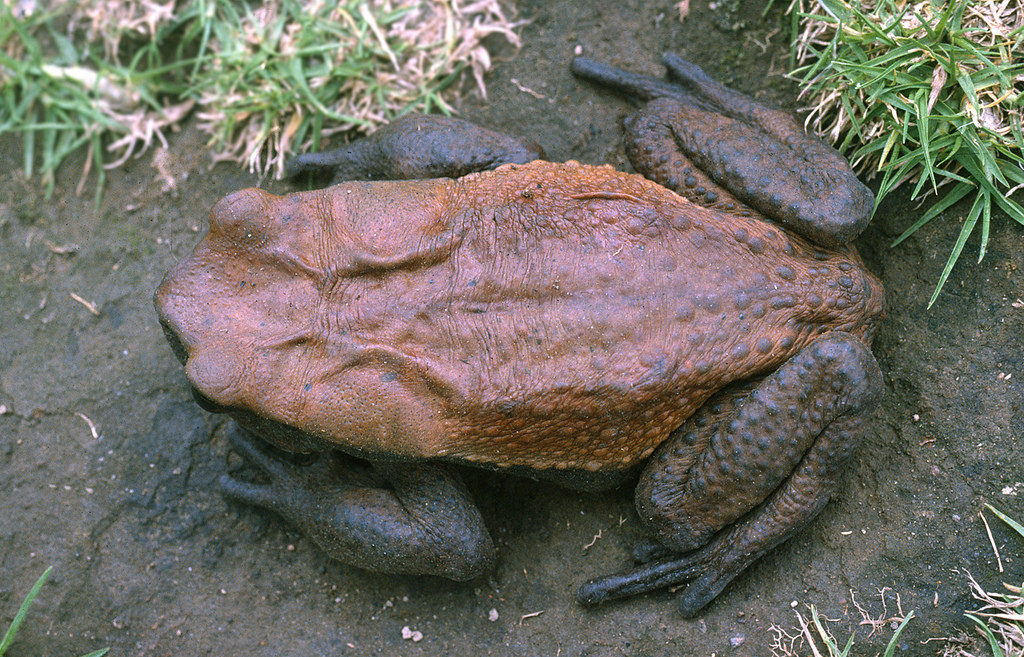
[
  {"x": 19, "y": 617},
  {"x": 927, "y": 94},
  {"x": 266, "y": 79}
]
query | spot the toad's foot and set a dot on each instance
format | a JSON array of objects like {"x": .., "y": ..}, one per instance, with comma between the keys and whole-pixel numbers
[{"x": 399, "y": 518}]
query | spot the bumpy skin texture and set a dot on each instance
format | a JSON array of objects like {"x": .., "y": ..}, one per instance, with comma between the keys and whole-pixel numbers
[
  {"x": 544, "y": 315},
  {"x": 796, "y": 430},
  {"x": 554, "y": 319},
  {"x": 418, "y": 146},
  {"x": 417, "y": 518}
]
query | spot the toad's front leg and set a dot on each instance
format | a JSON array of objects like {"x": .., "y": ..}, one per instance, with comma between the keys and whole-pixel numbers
[
  {"x": 724, "y": 494},
  {"x": 418, "y": 146}
]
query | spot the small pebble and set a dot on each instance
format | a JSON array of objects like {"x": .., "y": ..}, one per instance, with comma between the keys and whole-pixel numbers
[
  {"x": 415, "y": 635},
  {"x": 492, "y": 615}
]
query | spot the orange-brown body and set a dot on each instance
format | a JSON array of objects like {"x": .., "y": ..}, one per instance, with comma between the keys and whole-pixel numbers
[{"x": 541, "y": 315}]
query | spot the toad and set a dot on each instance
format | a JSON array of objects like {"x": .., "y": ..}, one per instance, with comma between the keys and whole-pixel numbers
[{"x": 709, "y": 323}]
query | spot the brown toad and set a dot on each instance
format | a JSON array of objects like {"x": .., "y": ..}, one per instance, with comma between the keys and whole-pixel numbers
[{"x": 560, "y": 321}]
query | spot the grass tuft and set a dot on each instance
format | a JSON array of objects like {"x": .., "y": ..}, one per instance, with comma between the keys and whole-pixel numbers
[
  {"x": 304, "y": 70},
  {"x": 925, "y": 94},
  {"x": 1000, "y": 619},
  {"x": 59, "y": 98}
]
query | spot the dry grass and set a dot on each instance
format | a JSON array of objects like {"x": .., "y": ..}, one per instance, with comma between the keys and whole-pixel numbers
[
  {"x": 385, "y": 57},
  {"x": 107, "y": 22},
  {"x": 1000, "y": 618},
  {"x": 813, "y": 636},
  {"x": 999, "y": 621}
]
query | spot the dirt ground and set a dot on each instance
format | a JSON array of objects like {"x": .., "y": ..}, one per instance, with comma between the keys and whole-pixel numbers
[{"x": 107, "y": 466}]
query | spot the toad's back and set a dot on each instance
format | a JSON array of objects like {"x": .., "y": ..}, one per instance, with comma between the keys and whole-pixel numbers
[{"x": 542, "y": 315}]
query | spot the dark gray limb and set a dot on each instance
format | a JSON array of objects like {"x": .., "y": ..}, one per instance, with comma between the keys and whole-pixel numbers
[
  {"x": 403, "y": 518},
  {"x": 635, "y": 85},
  {"x": 648, "y": 551},
  {"x": 760, "y": 155},
  {"x": 785, "y": 445},
  {"x": 417, "y": 146},
  {"x": 653, "y": 148}
]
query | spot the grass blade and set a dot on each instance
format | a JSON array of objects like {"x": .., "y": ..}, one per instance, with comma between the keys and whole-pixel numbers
[
  {"x": 986, "y": 217},
  {"x": 949, "y": 199},
  {"x": 922, "y": 132},
  {"x": 965, "y": 232},
  {"x": 890, "y": 648},
  {"x": 1011, "y": 208},
  {"x": 1016, "y": 526},
  {"x": 247, "y": 67},
  {"x": 993, "y": 643},
  {"x": 8, "y": 639},
  {"x": 924, "y": 94}
]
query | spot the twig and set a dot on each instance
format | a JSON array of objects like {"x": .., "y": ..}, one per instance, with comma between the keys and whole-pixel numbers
[
  {"x": 530, "y": 615},
  {"x": 991, "y": 540},
  {"x": 593, "y": 540},
  {"x": 91, "y": 306},
  {"x": 92, "y": 425}
]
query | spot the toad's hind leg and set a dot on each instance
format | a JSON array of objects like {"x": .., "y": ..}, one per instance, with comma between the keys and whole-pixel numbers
[
  {"x": 400, "y": 518},
  {"x": 725, "y": 494},
  {"x": 414, "y": 147},
  {"x": 650, "y": 140},
  {"x": 760, "y": 155}
]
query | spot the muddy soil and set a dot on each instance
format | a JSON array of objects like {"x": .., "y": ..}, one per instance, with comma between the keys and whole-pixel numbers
[{"x": 107, "y": 466}]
